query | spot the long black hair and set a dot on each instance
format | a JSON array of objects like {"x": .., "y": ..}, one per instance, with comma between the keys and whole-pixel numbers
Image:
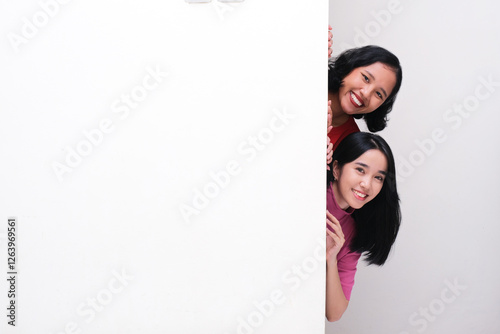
[
  {"x": 377, "y": 222},
  {"x": 342, "y": 65}
]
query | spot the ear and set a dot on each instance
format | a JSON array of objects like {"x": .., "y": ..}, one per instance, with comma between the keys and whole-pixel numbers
[{"x": 336, "y": 170}]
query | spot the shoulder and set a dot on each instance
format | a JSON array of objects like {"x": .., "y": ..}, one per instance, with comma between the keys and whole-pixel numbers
[
  {"x": 351, "y": 125},
  {"x": 340, "y": 132}
]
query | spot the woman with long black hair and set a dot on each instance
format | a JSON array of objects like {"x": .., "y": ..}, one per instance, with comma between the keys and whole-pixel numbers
[{"x": 363, "y": 214}]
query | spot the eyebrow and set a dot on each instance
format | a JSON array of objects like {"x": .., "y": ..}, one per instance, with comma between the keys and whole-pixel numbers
[
  {"x": 373, "y": 78},
  {"x": 366, "y": 166}
]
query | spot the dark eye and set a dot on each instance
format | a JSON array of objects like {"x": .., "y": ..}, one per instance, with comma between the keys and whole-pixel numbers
[
  {"x": 379, "y": 95},
  {"x": 380, "y": 178},
  {"x": 365, "y": 77},
  {"x": 359, "y": 169}
]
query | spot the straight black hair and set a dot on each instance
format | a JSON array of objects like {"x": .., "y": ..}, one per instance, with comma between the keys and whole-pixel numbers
[
  {"x": 342, "y": 65},
  {"x": 377, "y": 222}
]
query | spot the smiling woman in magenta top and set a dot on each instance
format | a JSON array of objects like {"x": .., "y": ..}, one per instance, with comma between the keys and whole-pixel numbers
[{"x": 363, "y": 214}]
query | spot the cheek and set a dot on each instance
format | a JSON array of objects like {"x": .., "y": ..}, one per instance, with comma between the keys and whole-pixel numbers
[
  {"x": 343, "y": 188},
  {"x": 343, "y": 91},
  {"x": 351, "y": 81}
]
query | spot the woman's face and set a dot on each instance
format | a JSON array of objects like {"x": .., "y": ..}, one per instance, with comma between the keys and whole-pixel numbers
[
  {"x": 366, "y": 88},
  {"x": 359, "y": 181}
]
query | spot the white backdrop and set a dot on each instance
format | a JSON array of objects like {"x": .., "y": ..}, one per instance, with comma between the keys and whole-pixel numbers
[
  {"x": 159, "y": 158},
  {"x": 444, "y": 274}
]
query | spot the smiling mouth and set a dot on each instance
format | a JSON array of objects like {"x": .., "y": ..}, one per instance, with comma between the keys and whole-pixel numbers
[
  {"x": 359, "y": 195},
  {"x": 355, "y": 100}
]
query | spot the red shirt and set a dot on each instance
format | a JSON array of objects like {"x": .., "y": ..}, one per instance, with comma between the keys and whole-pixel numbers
[{"x": 340, "y": 132}]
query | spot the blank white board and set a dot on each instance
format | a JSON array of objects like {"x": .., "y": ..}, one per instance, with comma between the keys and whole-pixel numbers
[{"x": 163, "y": 166}]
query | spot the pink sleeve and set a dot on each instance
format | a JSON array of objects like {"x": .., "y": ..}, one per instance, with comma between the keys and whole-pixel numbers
[{"x": 346, "y": 264}]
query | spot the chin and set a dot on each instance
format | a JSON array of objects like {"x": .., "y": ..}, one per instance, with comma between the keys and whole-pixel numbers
[
  {"x": 357, "y": 205},
  {"x": 352, "y": 112}
]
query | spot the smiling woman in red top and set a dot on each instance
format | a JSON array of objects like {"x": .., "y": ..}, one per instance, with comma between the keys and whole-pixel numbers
[{"x": 362, "y": 83}]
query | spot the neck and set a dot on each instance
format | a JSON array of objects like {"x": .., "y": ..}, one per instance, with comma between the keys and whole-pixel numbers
[{"x": 339, "y": 117}]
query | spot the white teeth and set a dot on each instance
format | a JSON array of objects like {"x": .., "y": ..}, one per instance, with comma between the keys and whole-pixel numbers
[
  {"x": 356, "y": 100},
  {"x": 360, "y": 194}
]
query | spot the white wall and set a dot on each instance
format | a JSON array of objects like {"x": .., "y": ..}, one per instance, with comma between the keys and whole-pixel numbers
[
  {"x": 449, "y": 184},
  {"x": 105, "y": 246}
]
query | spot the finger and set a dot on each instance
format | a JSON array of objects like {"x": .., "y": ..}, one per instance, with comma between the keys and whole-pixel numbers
[
  {"x": 330, "y": 113},
  {"x": 335, "y": 227},
  {"x": 334, "y": 223},
  {"x": 335, "y": 237},
  {"x": 336, "y": 241},
  {"x": 331, "y": 217},
  {"x": 339, "y": 239}
]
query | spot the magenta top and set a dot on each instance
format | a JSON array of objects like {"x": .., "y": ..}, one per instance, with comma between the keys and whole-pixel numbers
[{"x": 347, "y": 260}]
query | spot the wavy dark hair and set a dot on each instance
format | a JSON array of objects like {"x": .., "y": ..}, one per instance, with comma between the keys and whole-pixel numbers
[
  {"x": 343, "y": 64},
  {"x": 377, "y": 222}
]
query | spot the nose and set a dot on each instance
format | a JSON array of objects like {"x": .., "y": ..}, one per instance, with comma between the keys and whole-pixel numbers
[
  {"x": 365, "y": 183},
  {"x": 367, "y": 91}
]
